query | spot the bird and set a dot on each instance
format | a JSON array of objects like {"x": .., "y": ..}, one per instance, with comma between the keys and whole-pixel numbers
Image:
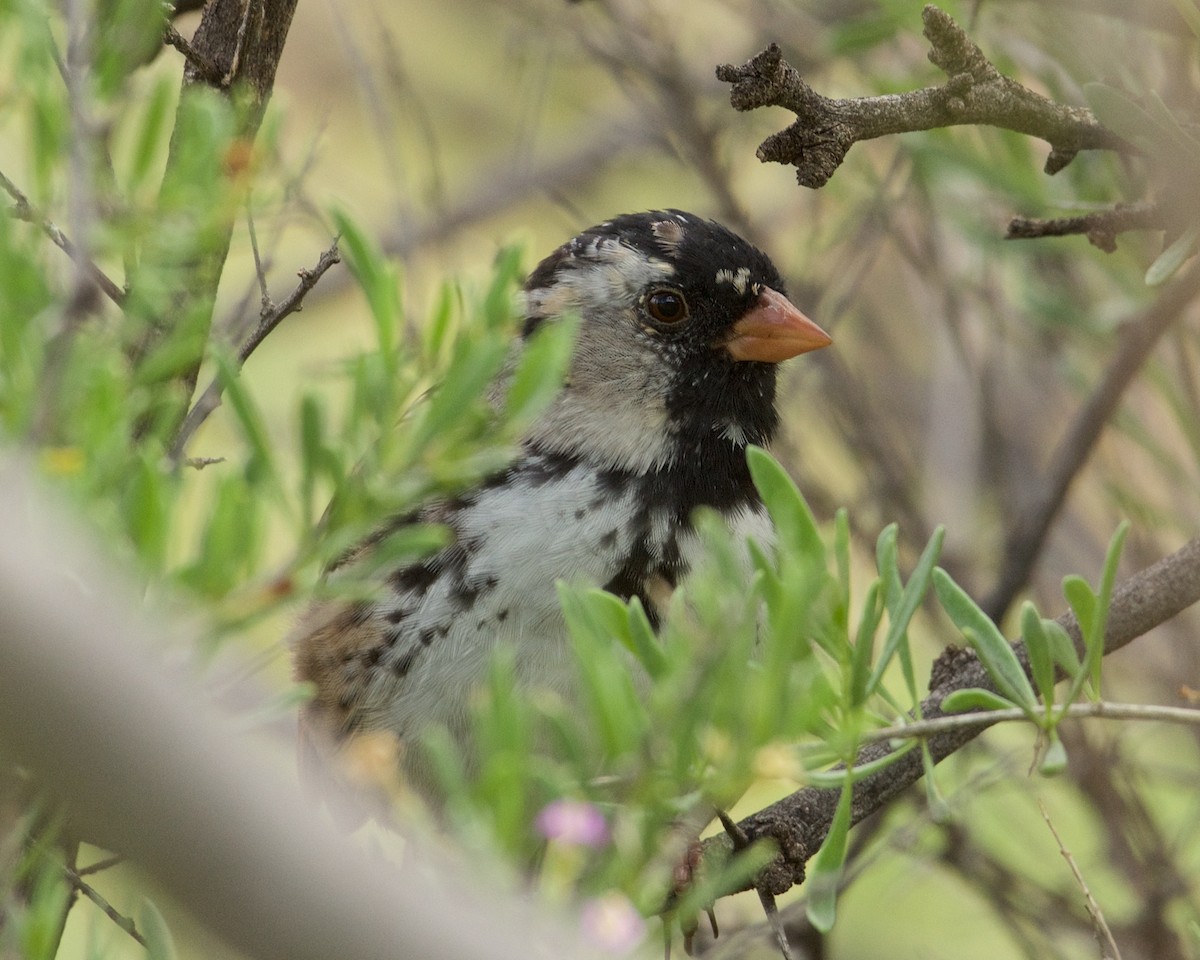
[{"x": 681, "y": 325}]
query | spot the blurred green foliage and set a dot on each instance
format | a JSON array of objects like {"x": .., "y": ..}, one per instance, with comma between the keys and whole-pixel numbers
[{"x": 774, "y": 661}]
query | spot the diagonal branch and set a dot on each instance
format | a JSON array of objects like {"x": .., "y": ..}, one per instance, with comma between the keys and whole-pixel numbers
[
  {"x": 272, "y": 316},
  {"x": 1027, "y": 534},
  {"x": 800, "y": 822},
  {"x": 975, "y": 93},
  {"x": 22, "y": 209}
]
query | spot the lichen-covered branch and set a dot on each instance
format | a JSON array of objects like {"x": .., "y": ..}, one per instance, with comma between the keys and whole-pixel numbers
[{"x": 975, "y": 92}]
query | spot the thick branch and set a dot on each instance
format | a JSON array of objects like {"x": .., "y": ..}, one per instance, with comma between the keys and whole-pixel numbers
[
  {"x": 975, "y": 93},
  {"x": 237, "y": 45},
  {"x": 800, "y": 822}
]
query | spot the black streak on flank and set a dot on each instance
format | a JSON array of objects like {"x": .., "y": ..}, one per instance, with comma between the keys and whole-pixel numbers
[
  {"x": 405, "y": 661},
  {"x": 415, "y": 579}
]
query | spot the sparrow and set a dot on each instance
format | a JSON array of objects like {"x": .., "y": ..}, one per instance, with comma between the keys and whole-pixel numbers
[{"x": 681, "y": 326}]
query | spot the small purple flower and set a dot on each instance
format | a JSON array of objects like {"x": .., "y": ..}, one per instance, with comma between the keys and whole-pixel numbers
[
  {"x": 573, "y": 822},
  {"x": 612, "y": 923}
]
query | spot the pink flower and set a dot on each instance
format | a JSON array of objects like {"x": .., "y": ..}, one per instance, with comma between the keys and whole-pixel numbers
[
  {"x": 612, "y": 923},
  {"x": 573, "y": 822}
]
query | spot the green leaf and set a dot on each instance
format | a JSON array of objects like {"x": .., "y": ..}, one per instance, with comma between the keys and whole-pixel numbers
[
  {"x": 975, "y": 698},
  {"x": 1170, "y": 260},
  {"x": 889, "y": 569},
  {"x": 794, "y": 522},
  {"x": 908, "y": 601},
  {"x": 642, "y": 641},
  {"x": 261, "y": 463},
  {"x": 1082, "y": 601},
  {"x": 153, "y": 927},
  {"x": 150, "y": 131},
  {"x": 1041, "y": 659},
  {"x": 1062, "y": 648},
  {"x": 864, "y": 645},
  {"x": 377, "y": 279},
  {"x": 1054, "y": 760},
  {"x": 541, "y": 369},
  {"x": 147, "y": 507},
  {"x": 989, "y": 643},
  {"x": 825, "y": 872},
  {"x": 1094, "y": 643}
]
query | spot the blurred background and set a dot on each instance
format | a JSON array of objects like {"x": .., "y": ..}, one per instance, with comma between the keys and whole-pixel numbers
[{"x": 449, "y": 128}]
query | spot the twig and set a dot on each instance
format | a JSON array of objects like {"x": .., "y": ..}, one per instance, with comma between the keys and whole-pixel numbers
[
  {"x": 1074, "y": 711},
  {"x": 1101, "y": 227},
  {"x": 1103, "y": 933},
  {"x": 800, "y": 822},
  {"x": 266, "y": 305},
  {"x": 22, "y": 209},
  {"x": 101, "y": 865},
  {"x": 205, "y": 69},
  {"x": 210, "y": 399},
  {"x": 975, "y": 93},
  {"x": 1027, "y": 535},
  {"x": 122, "y": 921}
]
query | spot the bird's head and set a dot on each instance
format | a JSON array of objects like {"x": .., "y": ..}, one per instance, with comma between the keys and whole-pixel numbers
[{"x": 681, "y": 325}]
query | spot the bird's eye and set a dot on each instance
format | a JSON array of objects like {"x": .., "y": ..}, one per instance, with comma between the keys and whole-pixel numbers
[{"x": 667, "y": 306}]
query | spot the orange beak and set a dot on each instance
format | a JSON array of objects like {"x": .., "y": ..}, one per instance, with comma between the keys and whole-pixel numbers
[{"x": 774, "y": 330}]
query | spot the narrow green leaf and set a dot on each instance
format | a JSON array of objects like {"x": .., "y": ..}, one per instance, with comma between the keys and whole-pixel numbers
[
  {"x": 1082, "y": 601},
  {"x": 907, "y": 603},
  {"x": 150, "y": 131},
  {"x": 841, "y": 554},
  {"x": 1062, "y": 648},
  {"x": 377, "y": 279},
  {"x": 889, "y": 569},
  {"x": 989, "y": 644},
  {"x": 1170, "y": 260},
  {"x": 864, "y": 645},
  {"x": 541, "y": 369},
  {"x": 825, "y": 872},
  {"x": 839, "y": 777},
  {"x": 1041, "y": 659},
  {"x": 794, "y": 522},
  {"x": 153, "y": 927},
  {"x": 643, "y": 641},
  {"x": 1094, "y": 640},
  {"x": 975, "y": 698},
  {"x": 261, "y": 464}
]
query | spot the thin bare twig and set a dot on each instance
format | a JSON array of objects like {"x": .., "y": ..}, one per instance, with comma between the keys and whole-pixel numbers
[
  {"x": 1135, "y": 341},
  {"x": 122, "y": 921},
  {"x": 1075, "y": 711},
  {"x": 975, "y": 93},
  {"x": 1101, "y": 228},
  {"x": 210, "y": 399},
  {"x": 205, "y": 69},
  {"x": 22, "y": 209},
  {"x": 1103, "y": 933},
  {"x": 266, "y": 305}
]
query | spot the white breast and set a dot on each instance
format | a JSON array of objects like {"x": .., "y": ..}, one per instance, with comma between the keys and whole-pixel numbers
[{"x": 524, "y": 536}]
